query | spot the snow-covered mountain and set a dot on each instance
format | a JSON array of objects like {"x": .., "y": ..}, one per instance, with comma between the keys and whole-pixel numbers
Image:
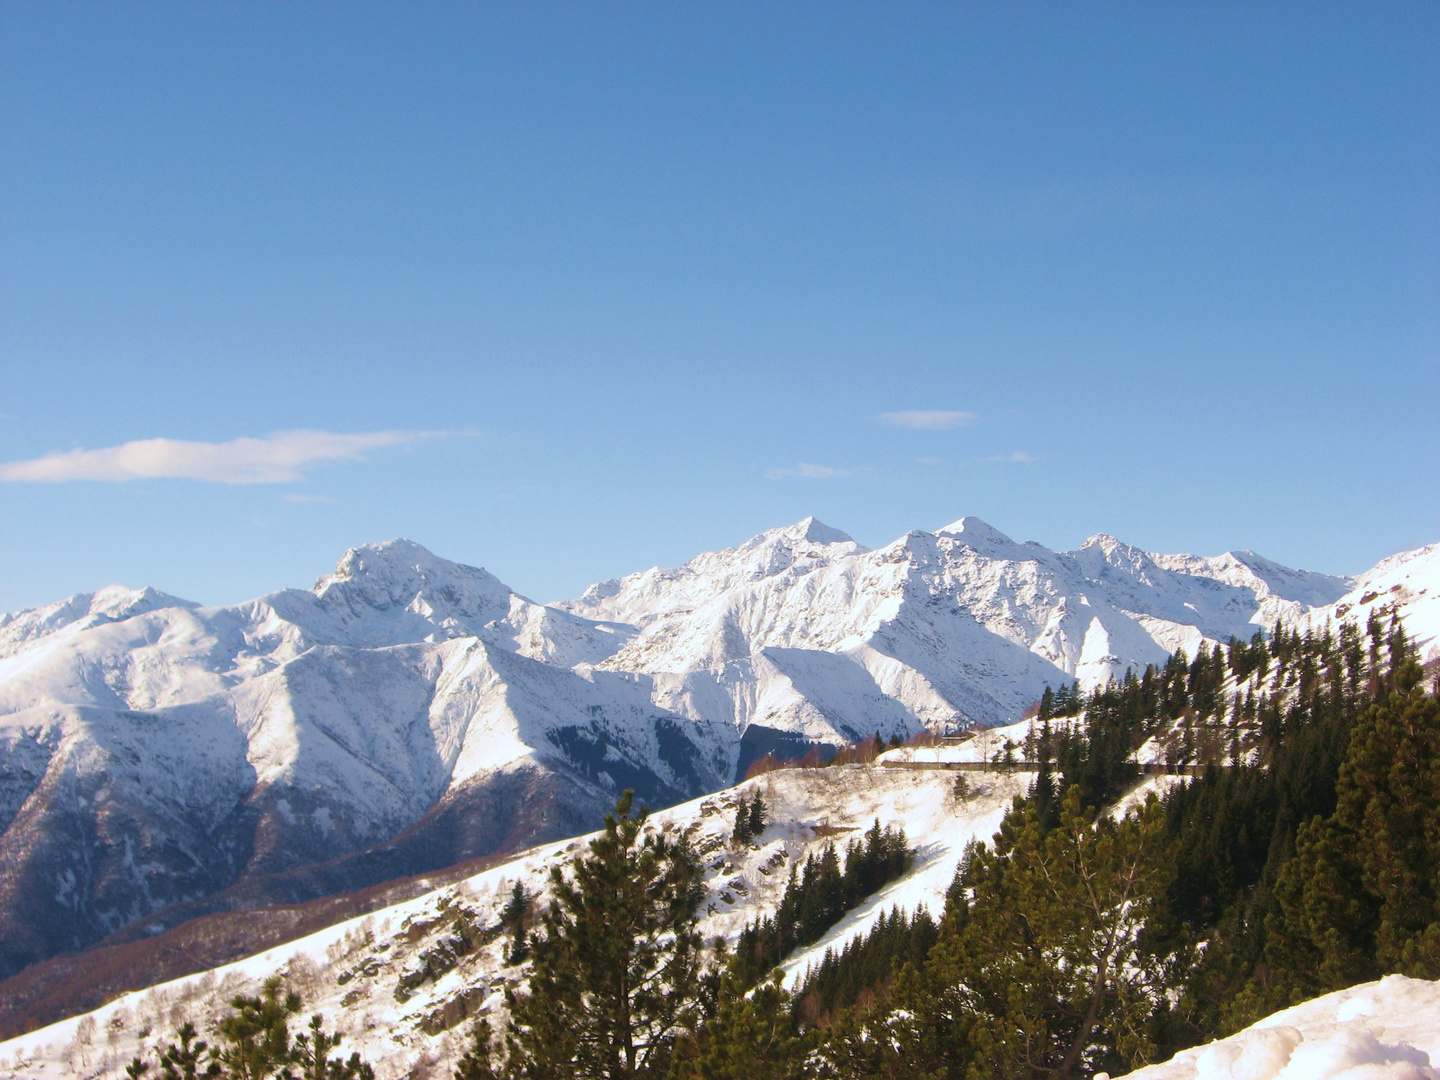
[
  {"x": 154, "y": 753},
  {"x": 806, "y": 632},
  {"x": 1407, "y": 585},
  {"x": 159, "y": 759}
]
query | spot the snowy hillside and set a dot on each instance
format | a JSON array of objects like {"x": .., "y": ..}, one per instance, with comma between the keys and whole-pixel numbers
[
  {"x": 402, "y": 982},
  {"x": 400, "y": 985},
  {"x": 369, "y": 976},
  {"x": 160, "y": 760},
  {"x": 1408, "y": 584}
]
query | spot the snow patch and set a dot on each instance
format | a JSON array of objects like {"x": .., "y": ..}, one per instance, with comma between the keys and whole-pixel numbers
[{"x": 1385, "y": 1030}]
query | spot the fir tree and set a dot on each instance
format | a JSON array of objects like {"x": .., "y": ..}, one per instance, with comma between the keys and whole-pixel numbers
[
  {"x": 1362, "y": 895},
  {"x": 751, "y": 1037},
  {"x": 475, "y": 1064},
  {"x": 617, "y": 960},
  {"x": 750, "y": 820},
  {"x": 816, "y": 897},
  {"x": 758, "y": 816},
  {"x": 1047, "y": 704},
  {"x": 513, "y": 919},
  {"x": 742, "y": 835}
]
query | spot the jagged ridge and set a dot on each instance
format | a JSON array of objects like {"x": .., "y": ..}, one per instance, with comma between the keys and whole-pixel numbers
[{"x": 154, "y": 753}]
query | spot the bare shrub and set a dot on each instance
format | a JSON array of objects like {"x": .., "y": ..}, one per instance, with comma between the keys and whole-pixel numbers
[
  {"x": 179, "y": 1014},
  {"x": 120, "y": 1021},
  {"x": 303, "y": 973},
  {"x": 84, "y": 1043}
]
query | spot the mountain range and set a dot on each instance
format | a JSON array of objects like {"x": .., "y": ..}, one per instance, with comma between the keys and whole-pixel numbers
[{"x": 161, "y": 760}]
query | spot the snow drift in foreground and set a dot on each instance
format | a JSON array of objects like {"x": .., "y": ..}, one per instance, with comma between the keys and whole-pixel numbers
[{"x": 1386, "y": 1030}]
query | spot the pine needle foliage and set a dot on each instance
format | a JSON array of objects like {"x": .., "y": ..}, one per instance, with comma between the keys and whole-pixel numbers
[
  {"x": 617, "y": 960},
  {"x": 750, "y": 819},
  {"x": 1361, "y": 898},
  {"x": 513, "y": 918},
  {"x": 254, "y": 1039},
  {"x": 1041, "y": 967},
  {"x": 253, "y": 1042},
  {"x": 863, "y": 968},
  {"x": 750, "y": 1037},
  {"x": 477, "y": 1063}
]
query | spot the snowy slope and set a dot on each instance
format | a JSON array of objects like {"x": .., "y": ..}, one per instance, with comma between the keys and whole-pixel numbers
[
  {"x": 157, "y": 756},
  {"x": 80, "y": 612},
  {"x": 353, "y": 971},
  {"x": 366, "y": 975},
  {"x": 1407, "y": 584}
]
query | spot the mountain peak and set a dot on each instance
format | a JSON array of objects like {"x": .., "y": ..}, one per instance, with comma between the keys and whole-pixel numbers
[
  {"x": 975, "y": 532},
  {"x": 402, "y": 574},
  {"x": 385, "y": 556},
  {"x": 817, "y": 532}
]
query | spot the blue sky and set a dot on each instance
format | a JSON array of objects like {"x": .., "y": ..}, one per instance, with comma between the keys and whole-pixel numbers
[{"x": 570, "y": 290}]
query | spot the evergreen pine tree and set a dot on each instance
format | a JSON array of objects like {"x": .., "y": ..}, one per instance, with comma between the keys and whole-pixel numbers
[
  {"x": 742, "y": 835},
  {"x": 311, "y": 1056},
  {"x": 255, "y": 1037},
  {"x": 1362, "y": 896},
  {"x": 1047, "y": 704},
  {"x": 1042, "y": 967},
  {"x": 254, "y": 1044},
  {"x": 758, "y": 816},
  {"x": 751, "y": 1037},
  {"x": 475, "y": 1064},
  {"x": 513, "y": 919},
  {"x": 181, "y": 1061},
  {"x": 617, "y": 960}
]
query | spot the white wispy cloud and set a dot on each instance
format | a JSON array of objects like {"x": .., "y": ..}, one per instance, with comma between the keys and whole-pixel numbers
[
  {"x": 274, "y": 459},
  {"x": 928, "y": 419},
  {"x": 805, "y": 471},
  {"x": 1018, "y": 456},
  {"x": 294, "y": 497}
]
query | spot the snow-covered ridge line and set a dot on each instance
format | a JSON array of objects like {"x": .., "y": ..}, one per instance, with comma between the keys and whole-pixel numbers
[
  {"x": 1407, "y": 584},
  {"x": 155, "y": 754}
]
